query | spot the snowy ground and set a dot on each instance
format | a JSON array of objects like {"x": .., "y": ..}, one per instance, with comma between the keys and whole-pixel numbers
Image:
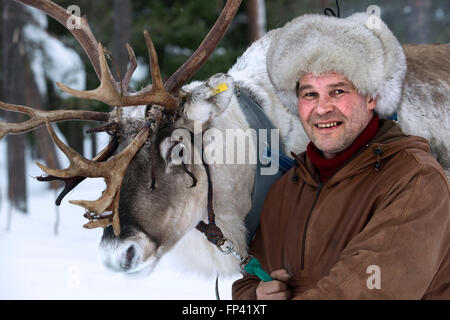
[{"x": 36, "y": 264}]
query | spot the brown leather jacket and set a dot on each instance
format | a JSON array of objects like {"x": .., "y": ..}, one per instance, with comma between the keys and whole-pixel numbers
[{"x": 365, "y": 233}]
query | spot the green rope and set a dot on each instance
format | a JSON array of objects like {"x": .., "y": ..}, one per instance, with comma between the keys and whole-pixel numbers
[{"x": 254, "y": 268}]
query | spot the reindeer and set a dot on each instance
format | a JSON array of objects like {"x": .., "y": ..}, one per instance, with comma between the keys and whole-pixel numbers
[{"x": 153, "y": 205}]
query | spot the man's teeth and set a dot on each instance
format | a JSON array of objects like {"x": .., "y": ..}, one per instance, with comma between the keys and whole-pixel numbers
[{"x": 327, "y": 125}]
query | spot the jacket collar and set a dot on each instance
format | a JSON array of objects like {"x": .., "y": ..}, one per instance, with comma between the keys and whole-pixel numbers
[
  {"x": 327, "y": 167},
  {"x": 388, "y": 141}
]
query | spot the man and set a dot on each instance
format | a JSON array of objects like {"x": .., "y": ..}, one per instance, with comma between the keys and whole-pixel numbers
[{"x": 365, "y": 212}]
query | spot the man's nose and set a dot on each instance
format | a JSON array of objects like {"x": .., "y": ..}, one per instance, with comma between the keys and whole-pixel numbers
[{"x": 324, "y": 105}]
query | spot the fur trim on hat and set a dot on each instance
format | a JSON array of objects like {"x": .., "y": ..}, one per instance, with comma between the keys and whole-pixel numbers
[{"x": 372, "y": 59}]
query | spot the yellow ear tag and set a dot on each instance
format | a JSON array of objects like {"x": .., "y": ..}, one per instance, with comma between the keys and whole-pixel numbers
[{"x": 220, "y": 88}]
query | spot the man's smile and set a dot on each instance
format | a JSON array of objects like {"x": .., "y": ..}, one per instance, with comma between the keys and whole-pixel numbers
[{"x": 328, "y": 126}]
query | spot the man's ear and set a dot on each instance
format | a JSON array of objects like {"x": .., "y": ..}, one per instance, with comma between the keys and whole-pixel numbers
[
  {"x": 209, "y": 99},
  {"x": 371, "y": 103}
]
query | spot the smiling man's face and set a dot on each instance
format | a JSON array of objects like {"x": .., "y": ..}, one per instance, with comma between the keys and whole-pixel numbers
[{"x": 332, "y": 111}]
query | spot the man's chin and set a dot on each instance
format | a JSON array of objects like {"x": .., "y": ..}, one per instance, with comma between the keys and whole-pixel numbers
[{"x": 329, "y": 150}]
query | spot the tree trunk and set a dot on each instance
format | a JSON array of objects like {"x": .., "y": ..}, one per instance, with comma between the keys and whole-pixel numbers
[
  {"x": 93, "y": 144},
  {"x": 121, "y": 35},
  {"x": 43, "y": 143},
  {"x": 75, "y": 135},
  {"x": 256, "y": 11},
  {"x": 13, "y": 85}
]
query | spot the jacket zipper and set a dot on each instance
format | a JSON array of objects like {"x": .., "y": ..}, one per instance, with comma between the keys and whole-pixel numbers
[{"x": 319, "y": 189}]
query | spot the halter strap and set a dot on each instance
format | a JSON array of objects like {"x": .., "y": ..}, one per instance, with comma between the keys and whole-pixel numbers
[{"x": 212, "y": 232}]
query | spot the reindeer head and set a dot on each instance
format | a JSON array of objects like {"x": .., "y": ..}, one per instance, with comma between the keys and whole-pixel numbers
[
  {"x": 157, "y": 204},
  {"x": 166, "y": 187},
  {"x": 141, "y": 217}
]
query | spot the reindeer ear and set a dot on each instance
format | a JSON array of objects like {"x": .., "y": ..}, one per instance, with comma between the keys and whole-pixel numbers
[
  {"x": 220, "y": 88},
  {"x": 209, "y": 99}
]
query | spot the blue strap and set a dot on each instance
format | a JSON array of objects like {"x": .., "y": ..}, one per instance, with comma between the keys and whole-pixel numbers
[
  {"x": 257, "y": 120},
  {"x": 254, "y": 268},
  {"x": 394, "y": 117},
  {"x": 284, "y": 162}
]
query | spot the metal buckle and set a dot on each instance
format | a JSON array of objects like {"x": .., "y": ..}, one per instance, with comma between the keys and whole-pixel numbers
[{"x": 228, "y": 246}]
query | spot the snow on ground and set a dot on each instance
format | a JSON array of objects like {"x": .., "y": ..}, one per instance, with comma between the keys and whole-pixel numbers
[{"x": 36, "y": 264}]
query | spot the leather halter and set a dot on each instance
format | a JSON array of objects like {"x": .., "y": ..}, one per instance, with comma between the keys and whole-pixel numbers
[{"x": 211, "y": 230}]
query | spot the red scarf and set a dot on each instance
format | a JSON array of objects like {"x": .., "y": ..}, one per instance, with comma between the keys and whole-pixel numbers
[{"x": 327, "y": 167}]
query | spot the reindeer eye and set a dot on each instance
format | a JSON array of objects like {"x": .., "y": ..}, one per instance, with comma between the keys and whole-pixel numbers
[
  {"x": 173, "y": 147},
  {"x": 174, "y": 154}
]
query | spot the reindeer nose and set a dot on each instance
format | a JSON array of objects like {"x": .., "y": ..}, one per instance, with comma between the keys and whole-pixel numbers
[{"x": 129, "y": 255}]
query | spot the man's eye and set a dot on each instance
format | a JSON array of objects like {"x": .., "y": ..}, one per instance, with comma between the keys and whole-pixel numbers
[
  {"x": 338, "y": 92},
  {"x": 310, "y": 95}
]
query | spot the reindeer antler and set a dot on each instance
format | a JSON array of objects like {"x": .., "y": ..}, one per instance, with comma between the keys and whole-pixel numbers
[
  {"x": 71, "y": 182},
  {"x": 111, "y": 93},
  {"x": 112, "y": 170},
  {"x": 39, "y": 117},
  {"x": 84, "y": 36},
  {"x": 201, "y": 55},
  {"x": 115, "y": 94}
]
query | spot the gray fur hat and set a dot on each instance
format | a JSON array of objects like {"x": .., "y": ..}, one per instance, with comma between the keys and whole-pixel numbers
[{"x": 371, "y": 58}]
